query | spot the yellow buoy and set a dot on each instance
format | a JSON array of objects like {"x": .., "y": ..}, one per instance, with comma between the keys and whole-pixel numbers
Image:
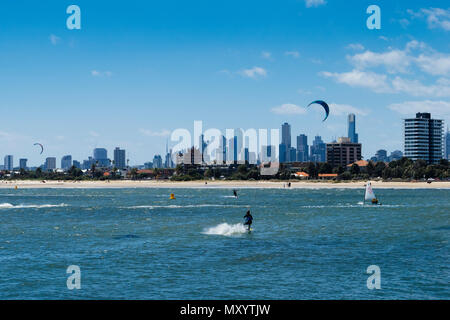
[{"x": 172, "y": 196}]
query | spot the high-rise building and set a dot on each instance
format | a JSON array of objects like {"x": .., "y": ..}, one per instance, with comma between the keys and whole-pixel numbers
[
  {"x": 318, "y": 150},
  {"x": 352, "y": 135},
  {"x": 76, "y": 164},
  {"x": 119, "y": 158},
  {"x": 285, "y": 146},
  {"x": 395, "y": 155},
  {"x": 424, "y": 138},
  {"x": 50, "y": 163},
  {"x": 302, "y": 148},
  {"x": 157, "y": 161},
  {"x": 101, "y": 157},
  {"x": 221, "y": 151},
  {"x": 190, "y": 156},
  {"x": 233, "y": 147},
  {"x": 282, "y": 151},
  {"x": 168, "y": 162},
  {"x": 23, "y": 164},
  {"x": 66, "y": 162},
  {"x": 286, "y": 134},
  {"x": 8, "y": 163},
  {"x": 267, "y": 153},
  {"x": 447, "y": 145},
  {"x": 381, "y": 155},
  {"x": 343, "y": 152}
]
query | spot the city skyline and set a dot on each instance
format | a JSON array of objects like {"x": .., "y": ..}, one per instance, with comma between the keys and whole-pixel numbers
[
  {"x": 75, "y": 90},
  {"x": 236, "y": 150}
]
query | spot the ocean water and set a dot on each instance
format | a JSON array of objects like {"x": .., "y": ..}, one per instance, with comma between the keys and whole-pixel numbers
[{"x": 305, "y": 244}]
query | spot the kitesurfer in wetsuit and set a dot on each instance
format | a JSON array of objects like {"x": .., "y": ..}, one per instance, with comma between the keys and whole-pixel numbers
[
  {"x": 235, "y": 193},
  {"x": 248, "y": 219}
]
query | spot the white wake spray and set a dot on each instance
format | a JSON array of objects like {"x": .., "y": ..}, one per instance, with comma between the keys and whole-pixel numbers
[
  {"x": 21, "y": 206},
  {"x": 225, "y": 229}
]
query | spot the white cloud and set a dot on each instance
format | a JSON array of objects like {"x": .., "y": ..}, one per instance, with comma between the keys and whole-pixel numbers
[
  {"x": 393, "y": 61},
  {"x": 358, "y": 78},
  {"x": 255, "y": 72},
  {"x": 404, "y": 23},
  {"x": 355, "y": 46},
  {"x": 266, "y": 55},
  {"x": 288, "y": 108},
  {"x": 380, "y": 83},
  {"x": 316, "y": 61},
  {"x": 96, "y": 73},
  {"x": 314, "y": 3},
  {"x": 417, "y": 58},
  {"x": 409, "y": 108},
  {"x": 54, "y": 39},
  {"x": 441, "y": 88},
  {"x": 294, "y": 54},
  {"x": 437, "y": 64},
  {"x": 150, "y": 133},
  {"x": 435, "y": 17},
  {"x": 344, "y": 109},
  {"x": 401, "y": 61},
  {"x": 304, "y": 92}
]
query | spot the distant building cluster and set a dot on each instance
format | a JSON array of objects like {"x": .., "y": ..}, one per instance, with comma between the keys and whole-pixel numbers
[{"x": 424, "y": 138}]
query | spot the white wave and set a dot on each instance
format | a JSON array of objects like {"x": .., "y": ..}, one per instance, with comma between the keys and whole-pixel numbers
[
  {"x": 173, "y": 206},
  {"x": 38, "y": 206},
  {"x": 225, "y": 229}
]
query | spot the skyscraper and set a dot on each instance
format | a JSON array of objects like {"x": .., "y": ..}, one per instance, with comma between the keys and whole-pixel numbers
[
  {"x": 352, "y": 135},
  {"x": 232, "y": 153},
  {"x": 286, "y": 135},
  {"x": 447, "y": 145},
  {"x": 101, "y": 157},
  {"x": 395, "y": 155},
  {"x": 381, "y": 155},
  {"x": 302, "y": 148},
  {"x": 318, "y": 150},
  {"x": 9, "y": 162},
  {"x": 221, "y": 151},
  {"x": 157, "y": 161},
  {"x": 50, "y": 163},
  {"x": 424, "y": 138},
  {"x": 76, "y": 164},
  {"x": 66, "y": 162},
  {"x": 119, "y": 158},
  {"x": 285, "y": 146},
  {"x": 23, "y": 164},
  {"x": 267, "y": 153}
]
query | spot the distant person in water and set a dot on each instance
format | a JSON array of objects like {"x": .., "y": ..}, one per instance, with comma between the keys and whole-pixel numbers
[
  {"x": 235, "y": 193},
  {"x": 248, "y": 219}
]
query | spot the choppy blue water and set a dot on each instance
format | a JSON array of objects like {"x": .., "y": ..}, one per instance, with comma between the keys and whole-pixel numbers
[{"x": 306, "y": 244}]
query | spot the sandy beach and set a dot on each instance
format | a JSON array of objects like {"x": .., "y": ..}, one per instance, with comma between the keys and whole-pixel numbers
[{"x": 220, "y": 184}]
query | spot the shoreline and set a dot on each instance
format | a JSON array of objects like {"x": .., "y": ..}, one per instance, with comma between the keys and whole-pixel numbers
[{"x": 34, "y": 184}]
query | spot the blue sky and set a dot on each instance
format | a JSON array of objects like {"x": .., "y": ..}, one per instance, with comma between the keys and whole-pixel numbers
[{"x": 139, "y": 69}]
